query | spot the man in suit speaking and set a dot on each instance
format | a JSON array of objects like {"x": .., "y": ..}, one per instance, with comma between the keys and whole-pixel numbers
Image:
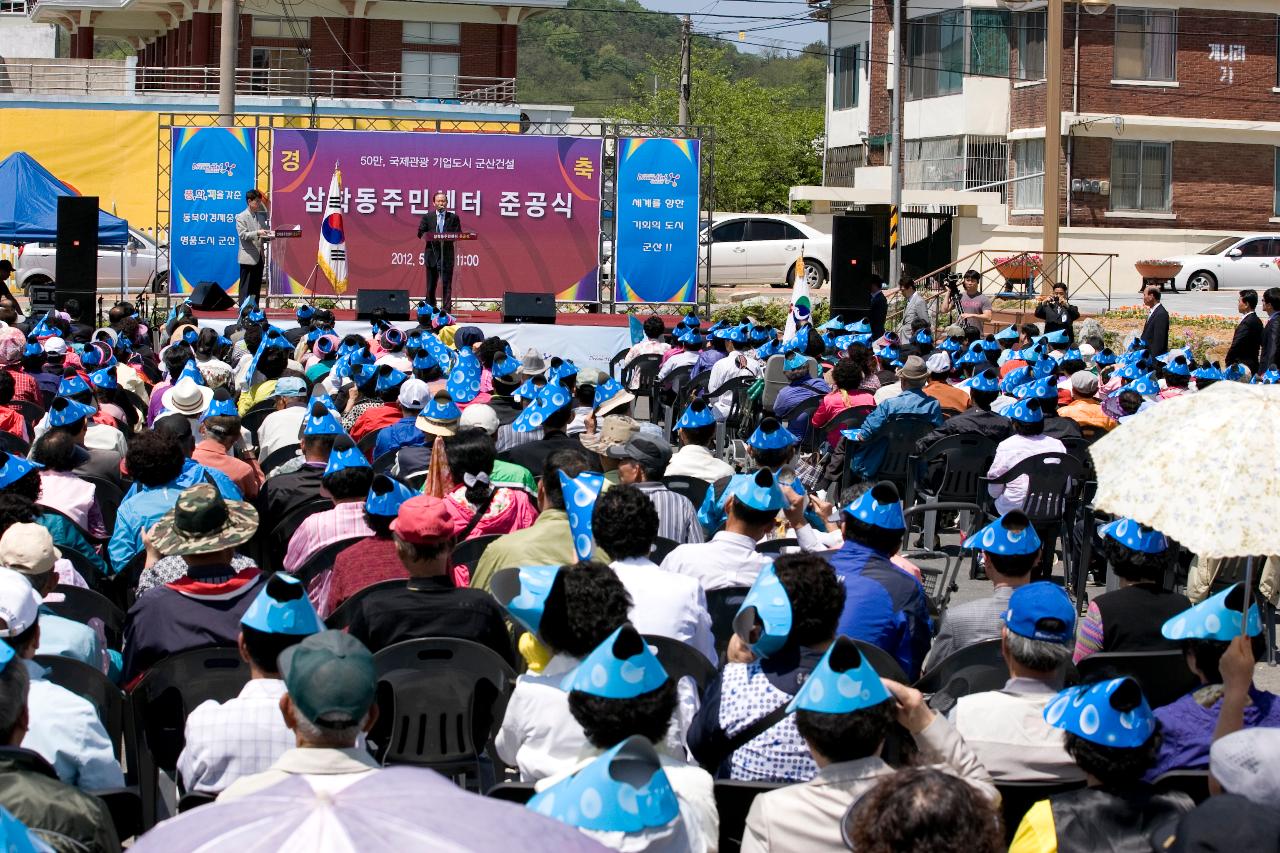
[
  {"x": 252, "y": 232},
  {"x": 439, "y": 255}
]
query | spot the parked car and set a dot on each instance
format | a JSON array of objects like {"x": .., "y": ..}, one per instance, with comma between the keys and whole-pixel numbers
[
  {"x": 36, "y": 265},
  {"x": 1233, "y": 262}
]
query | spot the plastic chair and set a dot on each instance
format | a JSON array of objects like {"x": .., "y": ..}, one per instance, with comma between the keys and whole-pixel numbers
[
  {"x": 367, "y": 442},
  {"x": 616, "y": 361},
  {"x": 89, "y": 682},
  {"x": 278, "y": 457},
  {"x": 442, "y": 700},
  {"x": 195, "y": 799},
  {"x": 383, "y": 463},
  {"x": 662, "y": 547},
  {"x": 339, "y": 619},
  {"x": 108, "y": 496},
  {"x": 1163, "y": 675},
  {"x": 276, "y": 543},
  {"x": 693, "y": 488},
  {"x": 643, "y": 371},
  {"x": 322, "y": 561},
  {"x": 253, "y": 418},
  {"x": 513, "y": 792},
  {"x": 125, "y": 808},
  {"x": 733, "y": 802},
  {"x": 1054, "y": 481},
  {"x": 13, "y": 445},
  {"x": 160, "y": 702},
  {"x": 723, "y": 604},
  {"x": 899, "y": 436},
  {"x": 885, "y": 664},
  {"x": 670, "y": 392},
  {"x": 1017, "y": 798},
  {"x": 682, "y": 660},
  {"x": 469, "y": 551},
  {"x": 973, "y": 669},
  {"x": 775, "y": 378},
  {"x": 1193, "y": 783},
  {"x": 806, "y": 409},
  {"x": 939, "y": 584},
  {"x": 31, "y": 412},
  {"x": 777, "y": 546},
  {"x": 81, "y": 605},
  {"x": 964, "y": 460}
]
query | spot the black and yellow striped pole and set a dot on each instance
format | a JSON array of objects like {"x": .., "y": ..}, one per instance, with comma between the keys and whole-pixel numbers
[{"x": 893, "y": 228}]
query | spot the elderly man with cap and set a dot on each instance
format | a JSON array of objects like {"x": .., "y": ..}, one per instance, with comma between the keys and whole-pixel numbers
[
  {"x": 226, "y": 741},
  {"x": 866, "y": 453},
  {"x": 329, "y": 703},
  {"x": 953, "y": 400},
  {"x": 298, "y": 481},
  {"x": 282, "y": 427},
  {"x": 430, "y": 604},
  {"x": 203, "y": 607},
  {"x": 845, "y": 733},
  {"x": 220, "y": 427},
  {"x": 1028, "y": 439},
  {"x": 1085, "y": 408},
  {"x": 346, "y": 481},
  {"x": 1006, "y": 727},
  {"x": 801, "y": 387},
  {"x": 697, "y": 430},
  {"x": 411, "y": 399},
  {"x": 750, "y": 504},
  {"x": 551, "y": 413},
  {"x": 641, "y": 463},
  {"x": 64, "y": 728}
]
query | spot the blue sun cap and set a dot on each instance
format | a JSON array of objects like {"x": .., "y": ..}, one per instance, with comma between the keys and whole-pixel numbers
[
  {"x": 504, "y": 365},
  {"x": 1056, "y": 337},
  {"x": 32, "y": 350},
  {"x": 621, "y": 667},
  {"x": 1105, "y": 357},
  {"x": 970, "y": 358},
  {"x": 1235, "y": 372},
  {"x": 282, "y": 607},
  {"x": 843, "y": 682},
  {"x": 1216, "y": 618},
  {"x": 1271, "y": 377},
  {"x": 304, "y": 313},
  {"x": 1044, "y": 368},
  {"x": 998, "y": 538},
  {"x": 739, "y": 334},
  {"x": 424, "y": 361},
  {"x": 862, "y": 327},
  {"x": 104, "y": 379},
  {"x": 990, "y": 344},
  {"x": 947, "y": 345},
  {"x": 528, "y": 390},
  {"x": 223, "y": 407},
  {"x": 1041, "y": 611},
  {"x": 1137, "y": 344},
  {"x": 424, "y": 310},
  {"x": 63, "y": 412},
  {"x": 321, "y": 421},
  {"x": 925, "y": 337},
  {"x": 1135, "y": 536},
  {"x": 340, "y": 460},
  {"x": 795, "y": 361},
  {"x": 1043, "y": 388},
  {"x": 1008, "y": 333},
  {"x": 551, "y": 398},
  {"x": 1208, "y": 373},
  {"x": 879, "y": 506},
  {"x": 610, "y": 389},
  {"x": 13, "y": 468},
  {"x": 888, "y": 353},
  {"x": 523, "y": 592},
  {"x": 1015, "y": 378},
  {"x": 1025, "y": 411},
  {"x": 988, "y": 381},
  {"x": 697, "y": 414},
  {"x": 1110, "y": 713},
  {"x": 764, "y": 620},
  {"x": 1145, "y": 385},
  {"x": 771, "y": 435},
  {"x": 74, "y": 384},
  {"x": 1073, "y": 354},
  {"x": 758, "y": 491},
  {"x": 563, "y": 370},
  {"x": 1178, "y": 367},
  {"x": 580, "y": 494},
  {"x": 386, "y": 494},
  {"x": 624, "y": 790}
]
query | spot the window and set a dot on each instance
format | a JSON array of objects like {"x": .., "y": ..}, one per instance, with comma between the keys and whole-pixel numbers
[
  {"x": 1257, "y": 249},
  {"x": 729, "y": 232},
  {"x": 935, "y": 55},
  {"x": 428, "y": 75},
  {"x": 422, "y": 32},
  {"x": 1142, "y": 176},
  {"x": 281, "y": 28},
  {"x": 278, "y": 70},
  {"x": 13, "y": 7},
  {"x": 1028, "y": 159},
  {"x": 1031, "y": 39},
  {"x": 772, "y": 229},
  {"x": 845, "y": 72},
  {"x": 1146, "y": 44},
  {"x": 989, "y": 47}
]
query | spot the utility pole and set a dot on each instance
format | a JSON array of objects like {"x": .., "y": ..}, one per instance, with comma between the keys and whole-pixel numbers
[
  {"x": 686, "y": 57},
  {"x": 1052, "y": 143},
  {"x": 895, "y": 147},
  {"x": 227, "y": 51}
]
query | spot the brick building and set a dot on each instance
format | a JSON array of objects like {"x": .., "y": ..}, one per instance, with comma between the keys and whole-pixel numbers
[{"x": 1170, "y": 108}]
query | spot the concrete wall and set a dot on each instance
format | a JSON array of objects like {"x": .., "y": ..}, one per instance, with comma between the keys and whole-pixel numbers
[{"x": 19, "y": 37}]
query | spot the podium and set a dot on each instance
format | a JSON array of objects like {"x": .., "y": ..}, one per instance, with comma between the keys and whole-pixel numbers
[{"x": 436, "y": 250}]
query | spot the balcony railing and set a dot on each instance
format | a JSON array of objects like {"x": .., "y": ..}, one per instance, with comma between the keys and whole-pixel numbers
[{"x": 123, "y": 78}]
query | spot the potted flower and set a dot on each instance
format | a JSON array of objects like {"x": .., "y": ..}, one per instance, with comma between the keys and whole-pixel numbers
[
  {"x": 1020, "y": 267},
  {"x": 1158, "y": 269}
]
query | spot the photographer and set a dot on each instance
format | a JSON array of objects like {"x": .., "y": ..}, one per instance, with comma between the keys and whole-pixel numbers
[
  {"x": 1058, "y": 314},
  {"x": 974, "y": 307}
]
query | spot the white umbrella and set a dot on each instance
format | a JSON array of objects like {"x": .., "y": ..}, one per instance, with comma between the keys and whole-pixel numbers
[{"x": 1200, "y": 468}]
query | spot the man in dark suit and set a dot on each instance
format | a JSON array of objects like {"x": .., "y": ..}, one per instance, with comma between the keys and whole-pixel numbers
[
  {"x": 1247, "y": 340},
  {"x": 1156, "y": 331},
  {"x": 1271, "y": 332},
  {"x": 439, "y": 254},
  {"x": 879, "y": 310}
]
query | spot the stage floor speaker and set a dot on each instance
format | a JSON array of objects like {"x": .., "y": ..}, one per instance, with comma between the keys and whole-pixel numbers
[
  {"x": 209, "y": 296},
  {"x": 528, "y": 307},
  {"x": 394, "y": 302},
  {"x": 76, "y": 262}
]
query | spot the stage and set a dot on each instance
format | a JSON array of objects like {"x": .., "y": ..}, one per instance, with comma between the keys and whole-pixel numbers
[{"x": 589, "y": 340}]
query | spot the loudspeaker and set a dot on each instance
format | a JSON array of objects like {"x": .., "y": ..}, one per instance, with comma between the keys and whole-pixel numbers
[
  {"x": 76, "y": 263},
  {"x": 394, "y": 302},
  {"x": 209, "y": 296},
  {"x": 857, "y": 246},
  {"x": 528, "y": 307}
]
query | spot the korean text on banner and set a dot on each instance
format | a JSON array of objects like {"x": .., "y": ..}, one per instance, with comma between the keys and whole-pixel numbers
[
  {"x": 532, "y": 201},
  {"x": 212, "y": 170},
  {"x": 656, "y": 248}
]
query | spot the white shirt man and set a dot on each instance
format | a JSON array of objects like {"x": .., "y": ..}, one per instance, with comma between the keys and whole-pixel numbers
[
  {"x": 729, "y": 559},
  {"x": 238, "y": 738},
  {"x": 694, "y": 460},
  {"x": 684, "y": 358},
  {"x": 732, "y": 366},
  {"x": 1009, "y": 453}
]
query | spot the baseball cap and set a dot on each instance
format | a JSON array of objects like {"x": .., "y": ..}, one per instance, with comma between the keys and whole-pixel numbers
[
  {"x": 425, "y": 520},
  {"x": 28, "y": 549},
  {"x": 650, "y": 451},
  {"x": 479, "y": 415},
  {"x": 289, "y": 386},
  {"x": 1041, "y": 611},
  {"x": 1247, "y": 763},
  {"x": 330, "y": 678},
  {"x": 55, "y": 346},
  {"x": 19, "y": 603},
  {"x": 939, "y": 362},
  {"x": 413, "y": 394}
]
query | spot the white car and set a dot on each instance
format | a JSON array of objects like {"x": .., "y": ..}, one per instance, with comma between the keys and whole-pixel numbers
[
  {"x": 1240, "y": 262},
  {"x": 758, "y": 248},
  {"x": 37, "y": 264}
]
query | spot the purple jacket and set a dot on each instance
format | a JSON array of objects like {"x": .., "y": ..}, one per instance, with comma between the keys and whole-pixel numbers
[
  {"x": 1187, "y": 729},
  {"x": 795, "y": 394}
]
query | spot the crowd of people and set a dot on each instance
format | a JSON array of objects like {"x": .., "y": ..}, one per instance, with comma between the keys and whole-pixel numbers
[{"x": 311, "y": 499}]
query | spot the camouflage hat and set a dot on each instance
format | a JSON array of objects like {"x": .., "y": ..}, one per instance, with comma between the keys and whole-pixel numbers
[{"x": 202, "y": 522}]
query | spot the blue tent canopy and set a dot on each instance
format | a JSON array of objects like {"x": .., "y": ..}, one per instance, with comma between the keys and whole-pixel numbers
[{"x": 29, "y": 205}]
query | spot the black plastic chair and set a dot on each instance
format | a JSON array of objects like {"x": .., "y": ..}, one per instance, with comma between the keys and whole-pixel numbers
[
  {"x": 31, "y": 412},
  {"x": 682, "y": 660},
  {"x": 939, "y": 584},
  {"x": 367, "y": 442},
  {"x": 384, "y": 463},
  {"x": 643, "y": 370},
  {"x": 1193, "y": 783},
  {"x": 662, "y": 546},
  {"x": 724, "y": 604},
  {"x": 339, "y": 619},
  {"x": 961, "y": 462},
  {"x": 808, "y": 407},
  {"x": 81, "y": 605},
  {"x": 278, "y": 457},
  {"x": 90, "y": 683},
  {"x": 253, "y": 418},
  {"x": 276, "y": 544},
  {"x": 693, "y": 488},
  {"x": 322, "y": 561},
  {"x": 442, "y": 700},
  {"x": 1163, "y": 675},
  {"x": 161, "y": 701},
  {"x": 469, "y": 551},
  {"x": 776, "y": 546},
  {"x": 1016, "y": 799},
  {"x": 195, "y": 799},
  {"x": 973, "y": 669},
  {"x": 885, "y": 664},
  {"x": 513, "y": 792},
  {"x": 13, "y": 445},
  {"x": 899, "y": 437},
  {"x": 1054, "y": 483},
  {"x": 108, "y": 496},
  {"x": 616, "y": 361},
  {"x": 733, "y": 802},
  {"x": 670, "y": 394},
  {"x": 125, "y": 808}
]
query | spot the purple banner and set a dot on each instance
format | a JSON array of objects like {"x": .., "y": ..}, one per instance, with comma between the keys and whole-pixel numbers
[{"x": 533, "y": 201}]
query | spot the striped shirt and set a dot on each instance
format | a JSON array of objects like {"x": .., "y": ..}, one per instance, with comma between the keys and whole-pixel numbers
[
  {"x": 677, "y": 516},
  {"x": 970, "y": 623},
  {"x": 344, "y": 521}
]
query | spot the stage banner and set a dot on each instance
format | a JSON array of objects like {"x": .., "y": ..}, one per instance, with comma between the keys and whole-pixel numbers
[
  {"x": 212, "y": 169},
  {"x": 533, "y": 201},
  {"x": 656, "y": 246}
]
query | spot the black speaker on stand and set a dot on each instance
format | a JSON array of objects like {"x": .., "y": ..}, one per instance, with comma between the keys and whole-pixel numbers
[
  {"x": 394, "y": 302},
  {"x": 528, "y": 307},
  {"x": 859, "y": 248},
  {"x": 76, "y": 263}
]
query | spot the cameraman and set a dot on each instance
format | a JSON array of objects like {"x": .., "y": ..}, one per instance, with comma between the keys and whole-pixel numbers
[
  {"x": 1058, "y": 313},
  {"x": 974, "y": 307}
]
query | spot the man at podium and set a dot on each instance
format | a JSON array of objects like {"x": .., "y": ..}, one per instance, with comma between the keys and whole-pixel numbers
[{"x": 439, "y": 254}]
